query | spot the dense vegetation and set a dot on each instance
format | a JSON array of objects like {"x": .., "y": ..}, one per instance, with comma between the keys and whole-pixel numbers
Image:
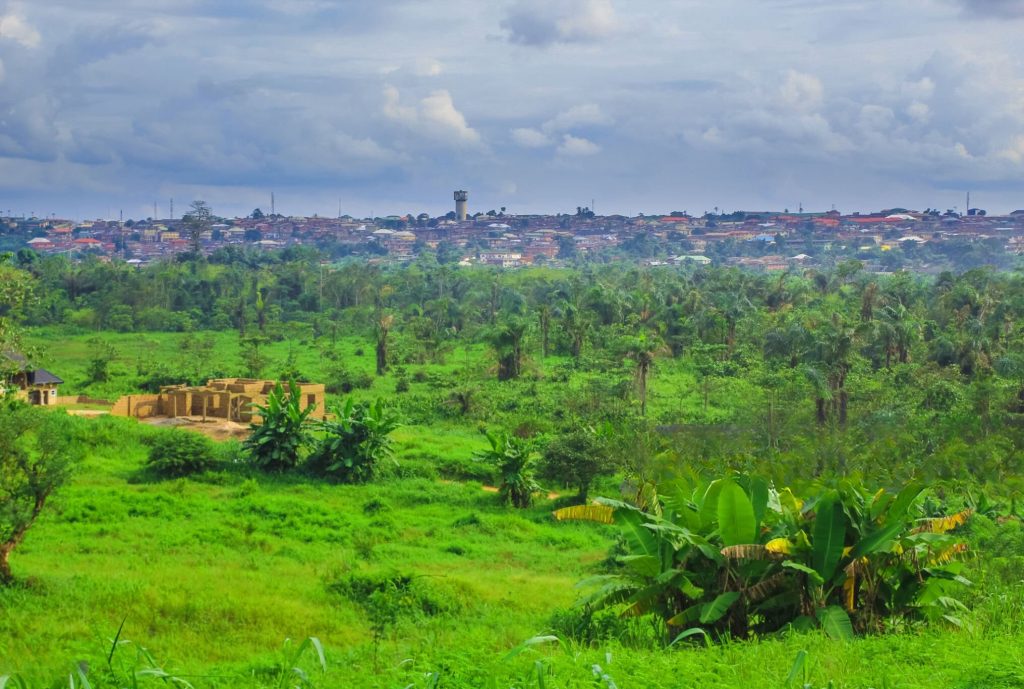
[{"x": 700, "y": 405}]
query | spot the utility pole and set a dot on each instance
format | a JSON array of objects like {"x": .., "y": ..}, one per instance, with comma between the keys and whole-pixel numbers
[
  {"x": 172, "y": 209},
  {"x": 154, "y": 212},
  {"x": 273, "y": 210}
]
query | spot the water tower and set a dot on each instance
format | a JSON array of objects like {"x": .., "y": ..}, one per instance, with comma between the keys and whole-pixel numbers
[{"x": 460, "y": 205}]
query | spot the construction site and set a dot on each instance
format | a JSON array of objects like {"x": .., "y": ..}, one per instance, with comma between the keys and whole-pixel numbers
[{"x": 223, "y": 399}]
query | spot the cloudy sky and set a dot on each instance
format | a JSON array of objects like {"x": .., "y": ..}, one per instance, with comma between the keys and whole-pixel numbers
[{"x": 386, "y": 106}]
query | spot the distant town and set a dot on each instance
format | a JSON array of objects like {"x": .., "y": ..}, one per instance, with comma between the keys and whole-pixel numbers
[{"x": 888, "y": 240}]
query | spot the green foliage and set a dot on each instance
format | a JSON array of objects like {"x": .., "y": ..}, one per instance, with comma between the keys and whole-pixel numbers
[
  {"x": 103, "y": 353},
  {"x": 276, "y": 442},
  {"x": 515, "y": 460},
  {"x": 577, "y": 457},
  {"x": 38, "y": 451},
  {"x": 356, "y": 441},
  {"x": 180, "y": 453},
  {"x": 735, "y": 557}
]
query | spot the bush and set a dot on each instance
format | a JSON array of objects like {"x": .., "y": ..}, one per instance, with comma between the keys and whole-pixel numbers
[
  {"x": 356, "y": 442},
  {"x": 577, "y": 457},
  {"x": 343, "y": 380},
  {"x": 275, "y": 444},
  {"x": 401, "y": 385},
  {"x": 180, "y": 453}
]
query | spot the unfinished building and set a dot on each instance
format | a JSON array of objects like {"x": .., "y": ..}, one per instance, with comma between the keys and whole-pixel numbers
[{"x": 229, "y": 399}]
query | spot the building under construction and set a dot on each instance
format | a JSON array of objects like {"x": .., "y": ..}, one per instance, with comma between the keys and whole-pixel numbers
[{"x": 229, "y": 399}]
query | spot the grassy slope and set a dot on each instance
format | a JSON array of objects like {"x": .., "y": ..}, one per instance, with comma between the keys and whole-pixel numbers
[
  {"x": 221, "y": 572},
  {"x": 214, "y": 575}
]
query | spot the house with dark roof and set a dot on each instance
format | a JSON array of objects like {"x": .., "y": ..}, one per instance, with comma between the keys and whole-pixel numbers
[{"x": 36, "y": 385}]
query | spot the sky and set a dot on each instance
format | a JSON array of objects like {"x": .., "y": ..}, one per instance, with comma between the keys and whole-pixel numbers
[{"x": 387, "y": 106}]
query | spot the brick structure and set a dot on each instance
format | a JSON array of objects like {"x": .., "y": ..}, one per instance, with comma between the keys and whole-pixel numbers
[{"x": 231, "y": 399}]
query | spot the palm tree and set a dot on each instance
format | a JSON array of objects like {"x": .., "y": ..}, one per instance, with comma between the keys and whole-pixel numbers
[
  {"x": 507, "y": 339},
  {"x": 576, "y": 327},
  {"x": 643, "y": 350},
  {"x": 830, "y": 364},
  {"x": 384, "y": 324},
  {"x": 544, "y": 312},
  {"x": 788, "y": 342}
]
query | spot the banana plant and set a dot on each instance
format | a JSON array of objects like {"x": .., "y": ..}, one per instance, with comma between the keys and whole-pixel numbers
[{"x": 736, "y": 556}]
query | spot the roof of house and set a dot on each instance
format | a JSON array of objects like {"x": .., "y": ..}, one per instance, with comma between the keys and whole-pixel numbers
[
  {"x": 41, "y": 376},
  {"x": 36, "y": 376}
]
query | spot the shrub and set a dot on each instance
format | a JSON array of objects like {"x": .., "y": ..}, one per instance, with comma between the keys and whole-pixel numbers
[
  {"x": 343, "y": 380},
  {"x": 401, "y": 385},
  {"x": 275, "y": 444},
  {"x": 735, "y": 557},
  {"x": 577, "y": 457},
  {"x": 515, "y": 460},
  {"x": 180, "y": 453},
  {"x": 355, "y": 443}
]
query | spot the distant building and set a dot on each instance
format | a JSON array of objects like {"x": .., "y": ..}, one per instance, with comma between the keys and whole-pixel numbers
[{"x": 36, "y": 385}]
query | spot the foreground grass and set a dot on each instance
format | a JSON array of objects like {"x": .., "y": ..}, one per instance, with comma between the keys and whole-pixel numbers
[{"x": 213, "y": 575}]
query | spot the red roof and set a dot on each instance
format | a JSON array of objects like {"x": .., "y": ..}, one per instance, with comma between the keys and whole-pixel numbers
[
  {"x": 87, "y": 240},
  {"x": 870, "y": 220}
]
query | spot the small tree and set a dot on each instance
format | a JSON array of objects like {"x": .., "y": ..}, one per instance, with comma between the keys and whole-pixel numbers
[
  {"x": 180, "y": 453},
  {"x": 253, "y": 357},
  {"x": 102, "y": 353},
  {"x": 383, "y": 329},
  {"x": 37, "y": 453},
  {"x": 198, "y": 220},
  {"x": 516, "y": 461},
  {"x": 577, "y": 457},
  {"x": 356, "y": 442},
  {"x": 275, "y": 444}
]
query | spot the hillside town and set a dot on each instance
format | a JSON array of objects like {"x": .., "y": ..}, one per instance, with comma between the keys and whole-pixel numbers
[{"x": 890, "y": 239}]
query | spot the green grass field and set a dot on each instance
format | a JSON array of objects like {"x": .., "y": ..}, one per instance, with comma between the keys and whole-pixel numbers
[{"x": 213, "y": 574}]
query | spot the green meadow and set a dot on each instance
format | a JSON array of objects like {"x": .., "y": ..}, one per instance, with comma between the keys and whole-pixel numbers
[{"x": 213, "y": 574}]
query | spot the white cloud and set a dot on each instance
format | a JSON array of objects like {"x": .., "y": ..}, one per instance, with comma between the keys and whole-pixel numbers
[
  {"x": 921, "y": 89},
  {"x": 393, "y": 108},
  {"x": 919, "y": 112},
  {"x": 577, "y": 146},
  {"x": 1015, "y": 151},
  {"x": 427, "y": 67},
  {"x": 435, "y": 115},
  {"x": 576, "y": 116},
  {"x": 801, "y": 92},
  {"x": 15, "y": 28},
  {"x": 544, "y": 22},
  {"x": 438, "y": 109},
  {"x": 530, "y": 138}
]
